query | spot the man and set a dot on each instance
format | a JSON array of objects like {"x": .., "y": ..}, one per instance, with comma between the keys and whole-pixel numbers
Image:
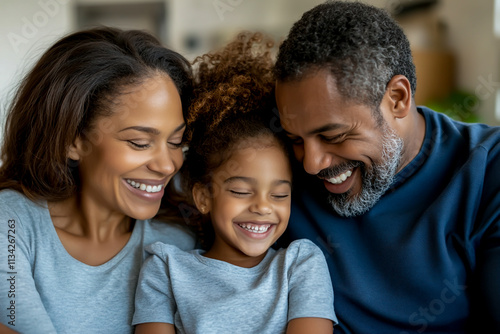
[{"x": 404, "y": 201}]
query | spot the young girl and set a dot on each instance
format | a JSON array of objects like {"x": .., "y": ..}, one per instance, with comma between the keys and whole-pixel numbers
[{"x": 240, "y": 180}]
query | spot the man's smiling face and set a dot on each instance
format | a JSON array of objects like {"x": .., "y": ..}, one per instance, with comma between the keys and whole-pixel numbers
[{"x": 353, "y": 152}]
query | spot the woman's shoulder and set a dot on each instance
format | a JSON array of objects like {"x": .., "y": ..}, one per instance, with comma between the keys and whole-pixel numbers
[
  {"x": 10, "y": 197},
  {"x": 27, "y": 216},
  {"x": 168, "y": 233},
  {"x": 13, "y": 202}
]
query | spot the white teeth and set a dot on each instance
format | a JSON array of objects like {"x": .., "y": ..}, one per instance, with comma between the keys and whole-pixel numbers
[
  {"x": 145, "y": 187},
  {"x": 255, "y": 228},
  {"x": 340, "y": 178}
]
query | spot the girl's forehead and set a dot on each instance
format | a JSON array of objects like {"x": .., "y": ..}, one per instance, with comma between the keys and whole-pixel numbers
[{"x": 260, "y": 141}]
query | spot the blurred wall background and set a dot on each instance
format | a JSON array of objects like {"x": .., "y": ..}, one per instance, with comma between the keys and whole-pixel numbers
[{"x": 455, "y": 42}]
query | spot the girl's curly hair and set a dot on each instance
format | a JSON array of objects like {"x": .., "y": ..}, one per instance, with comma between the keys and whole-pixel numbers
[
  {"x": 232, "y": 81},
  {"x": 233, "y": 102}
]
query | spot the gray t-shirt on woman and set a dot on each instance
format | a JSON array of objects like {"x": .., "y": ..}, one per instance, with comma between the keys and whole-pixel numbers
[
  {"x": 203, "y": 295},
  {"x": 43, "y": 289}
]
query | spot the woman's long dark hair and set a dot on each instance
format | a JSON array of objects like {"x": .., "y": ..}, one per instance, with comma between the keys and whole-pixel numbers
[{"x": 72, "y": 84}]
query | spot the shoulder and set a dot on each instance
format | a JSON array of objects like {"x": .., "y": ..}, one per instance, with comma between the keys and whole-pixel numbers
[
  {"x": 166, "y": 252},
  {"x": 163, "y": 255},
  {"x": 13, "y": 199},
  {"x": 14, "y": 205},
  {"x": 474, "y": 134},
  {"x": 168, "y": 233},
  {"x": 163, "y": 250},
  {"x": 473, "y": 145},
  {"x": 302, "y": 251},
  {"x": 304, "y": 247},
  {"x": 27, "y": 219}
]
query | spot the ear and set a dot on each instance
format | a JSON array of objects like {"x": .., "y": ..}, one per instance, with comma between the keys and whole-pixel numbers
[
  {"x": 201, "y": 197},
  {"x": 75, "y": 150},
  {"x": 398, "y": 96}
]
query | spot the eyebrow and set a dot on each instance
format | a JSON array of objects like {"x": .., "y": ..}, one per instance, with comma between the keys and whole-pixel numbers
[
  {"x": 251, "y": 180},
  {"x": 150, "y": 130},
  {"x": 324, "y": 128}
]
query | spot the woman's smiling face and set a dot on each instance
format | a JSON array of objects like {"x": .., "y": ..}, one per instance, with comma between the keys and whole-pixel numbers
[{"x": 127, "y": 158}]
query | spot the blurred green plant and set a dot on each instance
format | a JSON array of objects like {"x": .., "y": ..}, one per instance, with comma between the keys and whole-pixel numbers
[{"x": 459, "y": 105}]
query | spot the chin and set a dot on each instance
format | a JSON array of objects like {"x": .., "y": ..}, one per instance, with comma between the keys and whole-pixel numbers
[
  {"x": 256, "y": 253},
  {"x": 143, "y": 214},
  {"x": 146, "y": 216}
]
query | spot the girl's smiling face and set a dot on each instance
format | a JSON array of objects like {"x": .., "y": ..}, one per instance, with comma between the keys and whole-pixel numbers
[
  {"x": 127, "y": 158},
  {"x": 249, "y": 203}
]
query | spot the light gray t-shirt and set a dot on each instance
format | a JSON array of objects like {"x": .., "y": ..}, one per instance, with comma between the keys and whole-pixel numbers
[
  {"x": 43, "y": 289},
  {"x": 203, "y": 295}
]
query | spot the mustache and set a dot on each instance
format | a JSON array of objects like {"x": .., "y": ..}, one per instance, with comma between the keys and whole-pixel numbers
[{"x": 330, "y": 172}]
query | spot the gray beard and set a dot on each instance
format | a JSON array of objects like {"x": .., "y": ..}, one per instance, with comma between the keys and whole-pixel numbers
[{"x": 375, "y": 181}]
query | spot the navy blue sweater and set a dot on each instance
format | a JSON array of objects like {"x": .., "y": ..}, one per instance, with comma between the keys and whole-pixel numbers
[{"x": 426, "y": 257}]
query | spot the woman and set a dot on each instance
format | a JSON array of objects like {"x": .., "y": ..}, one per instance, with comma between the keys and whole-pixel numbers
[{"x": 92, "y": 138}]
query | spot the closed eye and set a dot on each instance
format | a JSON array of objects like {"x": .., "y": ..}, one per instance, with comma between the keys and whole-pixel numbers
[
  {"x": 281, "y": 196},
  {"x": 334, "y": 139},
  {"x": 175, "y": 145},
  {"x": 240, "y": 193},
  {"x": 138, "y": 145},
  {"x": 176, "y": 140}
]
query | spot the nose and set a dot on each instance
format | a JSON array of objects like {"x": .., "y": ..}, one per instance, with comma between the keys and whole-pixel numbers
[
  {"x": 261, "y": 206},
  {"x": 166, "y": 161},
  {"x": 315, "y": 157}
]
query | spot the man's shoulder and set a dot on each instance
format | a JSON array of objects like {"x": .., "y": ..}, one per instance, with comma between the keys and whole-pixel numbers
[{"x": 475, "y": 134}]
